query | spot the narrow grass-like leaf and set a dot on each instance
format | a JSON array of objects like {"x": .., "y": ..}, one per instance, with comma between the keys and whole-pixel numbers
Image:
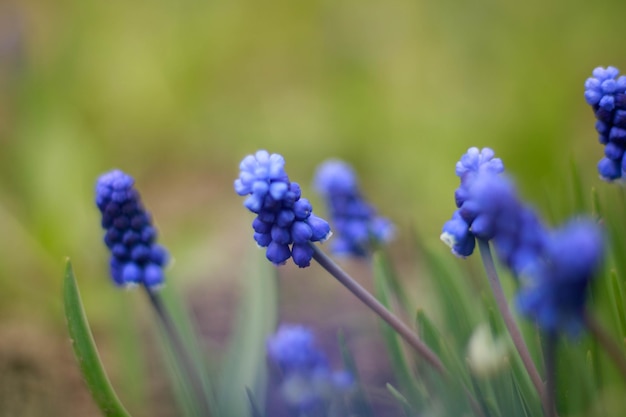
[
  {"x": 255, "y": 411},
  {"x": 404, "y": 403},
  {"x": 244, "y": 364},
  {"x": 453, "y": 293},
  {"x": 182, "y": 385},
  {"x": 360, "y": 403},
  {"x": 618, "y": 300},
  {"x": 85, "y": 349},
  {"x": 401, "y": 366}
]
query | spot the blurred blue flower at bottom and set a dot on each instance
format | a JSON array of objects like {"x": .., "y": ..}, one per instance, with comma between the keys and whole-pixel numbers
[{"x": 308, "y": 382}]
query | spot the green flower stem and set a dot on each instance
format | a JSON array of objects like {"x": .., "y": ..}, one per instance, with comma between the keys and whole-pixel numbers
[
  {"x": 611, "y": 347},
  {"x": 550, "y": 362},
  {"x": 514, "y": 332},
  {"x": 369, "y": 300},
  {"x": 179, "y": 350}
]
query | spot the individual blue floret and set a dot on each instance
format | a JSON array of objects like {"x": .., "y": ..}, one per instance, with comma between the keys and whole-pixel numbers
[
  {"x": 557, "y": 285},
  {"x": 457, "y": 235},
  {"x": 358, "y": 229},
  {"x": 308, "y": 383},
  {"x": 135, "y": 256},
  {"x": 285, "y": 223},
  {"x": 605, "y": 91}
]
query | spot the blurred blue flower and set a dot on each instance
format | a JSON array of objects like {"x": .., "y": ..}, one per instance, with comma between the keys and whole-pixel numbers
[
  {"x": 605, "y": 92},
  {"x": 285, "y": 223},
  {"x": 135, "y": 257},
  {"x": 357, "y": 227},
  {"x": 495, "y": 213},
  {"x": 308, "y": 382},
  {"x": 556, "y": 286}
]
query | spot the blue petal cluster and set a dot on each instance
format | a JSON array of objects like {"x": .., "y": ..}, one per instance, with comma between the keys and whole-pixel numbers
[
  {"x": 456, "y": 232},
  {"x": 556, "y": 289},
  {"x": 605, "y": 91},
  {"x": 135, "y": 257},
  {"x": 357, "y": 227},
  {"x": 308, "y": 382},
  {"x": 285, "y": 223},
  {"x": 555, "y": 267}
]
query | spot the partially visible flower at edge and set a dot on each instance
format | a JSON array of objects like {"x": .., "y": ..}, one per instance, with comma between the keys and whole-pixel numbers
[
  {"x": 136, "y": 258},
  {"x": 358, "y": 229},
  {"x": 285, "y": 223},
  {"x": 308, "y": 382},
  {"x": 605, "y": 92}
]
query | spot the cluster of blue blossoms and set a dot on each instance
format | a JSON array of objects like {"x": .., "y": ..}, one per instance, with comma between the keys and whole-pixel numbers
[
  {"x": 285, "y": 223},
  {"x": 606, "y": 93},
  {"x": 308, "y": 382},
  {"x": 135, "y": 257},
  {"x": 556, "y": 266},
  {"x": 357, "y": 227},
  {"x": 456, "y": 232}
]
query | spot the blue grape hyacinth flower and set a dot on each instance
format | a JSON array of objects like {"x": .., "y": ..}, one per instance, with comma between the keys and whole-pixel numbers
[
  {"x": 556, "y": 287},
  {"x": 136, "y": 258},
  {"x": 605, "y": 92},
  {"x": 456, "y": 232},
  {"x": 358, "y": 229},
  {"x": 308, "y": 382},
  {"x": 285, "y": 223},
  {"x": 489, "y": 208}
]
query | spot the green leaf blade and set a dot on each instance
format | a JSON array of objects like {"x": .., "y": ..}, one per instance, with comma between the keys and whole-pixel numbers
[{"x": 85, "y": 350}]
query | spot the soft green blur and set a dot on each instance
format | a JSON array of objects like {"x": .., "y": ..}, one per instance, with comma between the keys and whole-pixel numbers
[{"x": 177, "y": 92}]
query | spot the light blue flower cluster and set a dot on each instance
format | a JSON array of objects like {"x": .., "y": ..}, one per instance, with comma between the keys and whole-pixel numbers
[
  {"x": 135, "y": 257},
  {"x": 308, "y": 382},
  {"x": 456, "y": 232},
  {"x": 285, "y": 223},
  {"x": 605, "y": 91},
  {"x": 357, "y": 227},
  {"x": 555, "y": 266}
]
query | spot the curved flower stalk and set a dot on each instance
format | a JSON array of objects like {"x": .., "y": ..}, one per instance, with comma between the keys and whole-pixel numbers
[
  {"x": 263, "y": 179},
  {"x": 605, "y": 92},
  {"x": 285, "y": 223},
  {"x": 358, "y": 229},
  {"x": 308, "y": 384},
  {"x": 136, "y": 258}
]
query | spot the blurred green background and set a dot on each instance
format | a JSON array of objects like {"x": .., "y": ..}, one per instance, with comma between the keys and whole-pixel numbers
[{"x": 177, "y": 92}]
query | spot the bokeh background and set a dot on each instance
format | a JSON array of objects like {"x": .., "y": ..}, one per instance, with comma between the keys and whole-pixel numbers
[{"x": 177, "y": 92}]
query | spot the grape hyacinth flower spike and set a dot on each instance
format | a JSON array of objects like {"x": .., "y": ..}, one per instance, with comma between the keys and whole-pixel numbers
[
  {"x": 136, "y": 258},
  {"x": 456, "y": 232},
  {"x": 308, "y": 383},
  {"x": 605, "y": 92},
  {"x": 357, "y": 228},
  {"x": 285, "y": 223}
]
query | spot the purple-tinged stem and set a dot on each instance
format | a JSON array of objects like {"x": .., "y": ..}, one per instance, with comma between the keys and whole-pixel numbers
[
  {"x": 370, "y": 301},
  {"x": 610, "y": 346},
  {"x": 509, "y": 321}
]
